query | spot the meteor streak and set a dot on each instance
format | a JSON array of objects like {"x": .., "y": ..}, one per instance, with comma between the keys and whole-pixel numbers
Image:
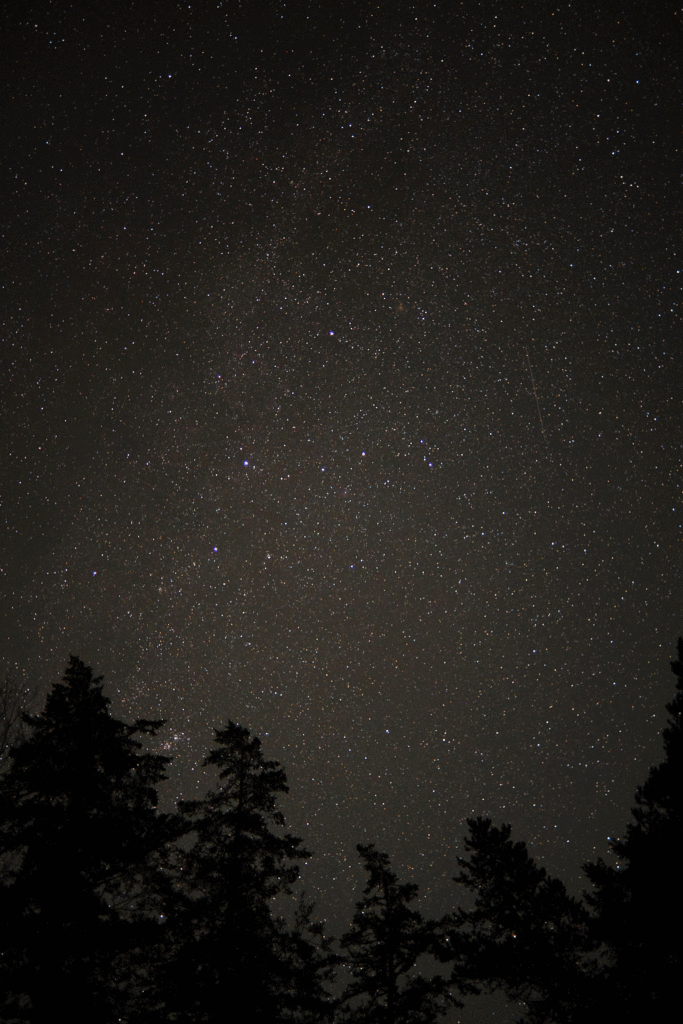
[{"x": 533, "y": 387}]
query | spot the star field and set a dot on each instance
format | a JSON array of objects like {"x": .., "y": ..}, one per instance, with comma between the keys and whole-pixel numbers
[{"x": 341, "y": 377}]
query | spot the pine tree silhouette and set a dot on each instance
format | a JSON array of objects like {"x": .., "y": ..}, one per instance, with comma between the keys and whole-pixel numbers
[
  {"x": 81, "y": 850},
  {"x": 382, "y": 950},
  {"x": 227, "y": 946},
  {"x": 525, "y": 935},
  {"x": 638, "y": 904}
]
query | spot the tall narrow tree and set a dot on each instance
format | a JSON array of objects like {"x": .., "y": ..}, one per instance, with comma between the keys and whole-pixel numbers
[
  {"x": 387, "y": 941},
  {"x": 524, "y": 935},
  {"x": 81, "y": 846},
  {"x": 228, "y": 942},
  {"x": 638, "y": 904}
]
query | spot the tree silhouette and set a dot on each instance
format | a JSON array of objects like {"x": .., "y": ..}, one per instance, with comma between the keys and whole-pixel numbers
[
  {"x": 525, "y": 935},
  {"x": 309, "y": 968},
  {"x": 638, "y": 904},
  {"x": 82, "y": 847},
  {"x": 16, "y": 700},
  {"x": 382, "y": 950},
  {"x": 227, "y": 947}
]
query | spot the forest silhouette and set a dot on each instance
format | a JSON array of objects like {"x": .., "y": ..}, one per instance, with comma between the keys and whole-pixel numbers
[{"x": 113, "y": 911}]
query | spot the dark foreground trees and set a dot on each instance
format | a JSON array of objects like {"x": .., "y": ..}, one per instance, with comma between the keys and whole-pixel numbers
[
  {"x": 81, "y": 850},
  {"x": 113, "y": 912},
  {"x": 619, "y": 956},
  {"x": 382, "y": 952}
]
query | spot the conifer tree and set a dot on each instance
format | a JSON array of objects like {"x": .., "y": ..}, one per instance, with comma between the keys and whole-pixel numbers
[
  {"x": 227, "y": 945},
  {"x": 638, "y": 904},
  {"x": 382, "y": 950},
  {"x": 81, "y": 849},
  {"x": 525, "y": 935},
  {"x": 309, "y": 968},
  {"x": 16, "y": 700}
]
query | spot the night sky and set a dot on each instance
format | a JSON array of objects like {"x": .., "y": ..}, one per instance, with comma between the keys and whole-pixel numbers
[{"x": 341, "y": 370}]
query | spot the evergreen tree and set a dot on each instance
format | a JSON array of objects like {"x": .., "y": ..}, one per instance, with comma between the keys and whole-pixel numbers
[
  {"x": 525, "y": 935},
  {"x": 382, "y": 950},
  {"x": 227, "y": 947},
  {"x": 81, "y": 847},
  {"x": 16, "y": 700},
  {"x": 309, "y": 969},
  {"x": 638, "y": 904}
]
